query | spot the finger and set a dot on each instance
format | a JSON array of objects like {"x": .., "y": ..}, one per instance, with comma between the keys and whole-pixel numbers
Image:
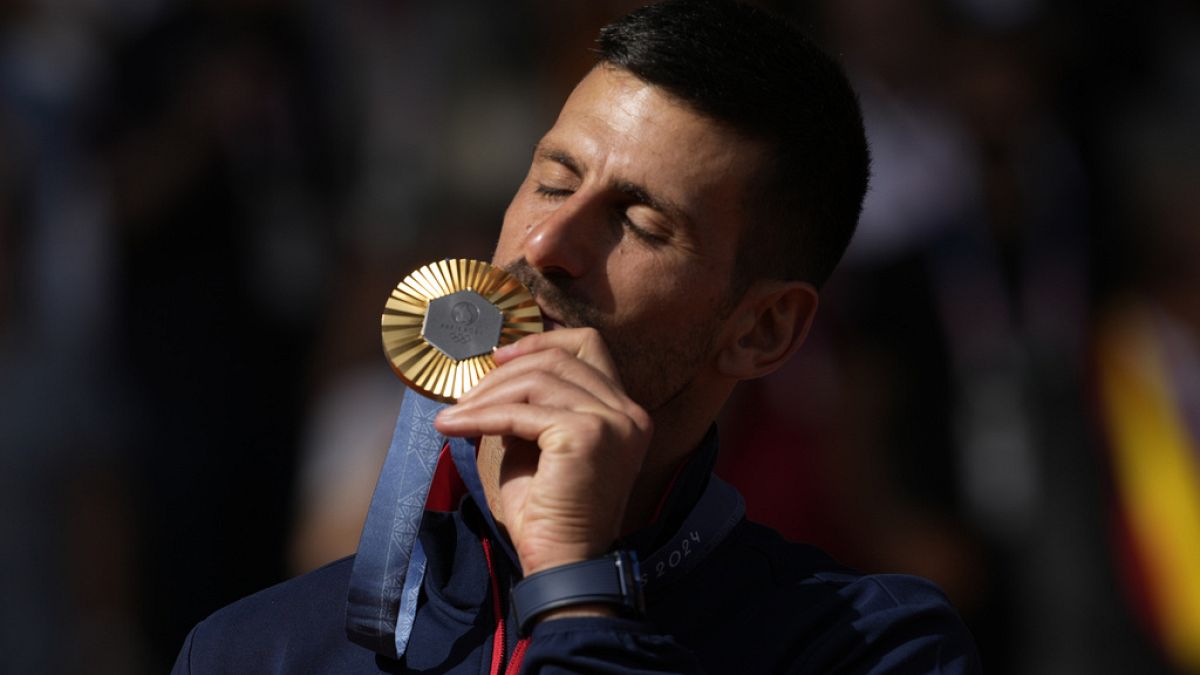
[
  {"x": 585, "y": 343},
  {"x": 539, "y": 387},
  {"x": 559, "y": 364},
  {"x": 522, "y": 420}
]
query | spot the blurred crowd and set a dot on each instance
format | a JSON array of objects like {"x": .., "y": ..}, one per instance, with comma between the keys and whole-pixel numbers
[{"x": 203, "y": 205}]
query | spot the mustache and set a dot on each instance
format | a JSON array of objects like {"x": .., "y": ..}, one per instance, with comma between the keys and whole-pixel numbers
[{"x": 555, "y": 297}]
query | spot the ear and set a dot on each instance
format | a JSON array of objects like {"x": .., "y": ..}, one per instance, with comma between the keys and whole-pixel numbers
[{"x": 766, "y": 328}]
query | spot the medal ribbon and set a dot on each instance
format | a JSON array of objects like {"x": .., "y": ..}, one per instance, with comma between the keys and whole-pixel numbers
[{"x": 386, "y": 579}]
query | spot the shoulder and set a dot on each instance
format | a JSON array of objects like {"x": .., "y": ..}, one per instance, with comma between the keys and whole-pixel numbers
[
  {"x": 305, "y": 596},
  {"x": 297, "y": 624},
  {"x": 801, "y": 611},
  {"x": 792, "y": 567}
]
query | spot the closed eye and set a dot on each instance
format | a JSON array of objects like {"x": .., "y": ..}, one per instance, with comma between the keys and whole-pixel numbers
[
  {"x": 641, "y": 233},
  {"x": 552, "y": 192},
  {"x": 646, "y": 236}
]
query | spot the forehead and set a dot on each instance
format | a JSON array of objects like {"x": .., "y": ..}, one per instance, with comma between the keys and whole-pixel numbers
[{"x": 621, "y": 128}]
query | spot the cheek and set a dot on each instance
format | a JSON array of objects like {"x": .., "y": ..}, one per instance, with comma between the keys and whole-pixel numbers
[
  {"x": 651, "y": 288},
  {"x": 696, "y": 297}
]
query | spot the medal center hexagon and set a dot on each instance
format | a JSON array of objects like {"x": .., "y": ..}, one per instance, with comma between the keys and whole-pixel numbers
[{"x": 462, "y": 325}]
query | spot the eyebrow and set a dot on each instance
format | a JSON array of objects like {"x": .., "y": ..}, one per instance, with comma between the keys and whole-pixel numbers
[
  {"x": 559, "y": 156},
  {"x": 637, "y": 193}
]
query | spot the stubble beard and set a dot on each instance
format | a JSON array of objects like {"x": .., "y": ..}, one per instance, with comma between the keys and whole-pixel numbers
[{"x": 655, "y": 367}]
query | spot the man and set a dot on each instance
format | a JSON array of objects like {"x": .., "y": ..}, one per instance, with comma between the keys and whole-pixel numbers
[{"x": 698, "y": 186}]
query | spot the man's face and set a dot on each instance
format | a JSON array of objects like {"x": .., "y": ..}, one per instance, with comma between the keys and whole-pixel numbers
[{"x": 627, "y": 222}]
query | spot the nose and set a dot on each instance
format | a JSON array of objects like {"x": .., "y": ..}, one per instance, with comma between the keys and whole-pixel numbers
[{"x": 568, "y": 239}]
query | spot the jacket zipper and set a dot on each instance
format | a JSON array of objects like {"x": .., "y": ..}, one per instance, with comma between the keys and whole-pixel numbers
[{"x": 499, "y": 636}]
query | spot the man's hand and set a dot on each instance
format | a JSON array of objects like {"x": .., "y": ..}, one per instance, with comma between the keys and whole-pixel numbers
[{"x": 573, "y": 444}]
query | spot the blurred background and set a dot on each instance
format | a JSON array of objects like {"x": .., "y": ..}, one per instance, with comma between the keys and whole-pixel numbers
[{"x": 204, "y": 204}]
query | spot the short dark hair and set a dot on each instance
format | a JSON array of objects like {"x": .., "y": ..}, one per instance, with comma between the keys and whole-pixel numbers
[{"x": 762, "y": 77}]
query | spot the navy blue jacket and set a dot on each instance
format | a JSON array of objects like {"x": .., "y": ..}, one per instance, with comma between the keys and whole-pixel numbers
[{"x": 755, "y": 604}]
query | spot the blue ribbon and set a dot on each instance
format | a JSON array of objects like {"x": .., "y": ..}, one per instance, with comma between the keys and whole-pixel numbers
[{"x": 386, "y": 579}]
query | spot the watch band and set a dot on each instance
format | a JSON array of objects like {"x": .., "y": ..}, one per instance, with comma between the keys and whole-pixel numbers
[{"x": 614, "y": 579}]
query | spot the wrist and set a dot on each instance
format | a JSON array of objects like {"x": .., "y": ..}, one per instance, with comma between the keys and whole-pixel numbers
[
  {"x": 607, "y": 586},
  {"x": 547, "y": 557},
  {"x": 531, "y": 566},
  {"x": 594, "y": 609}
]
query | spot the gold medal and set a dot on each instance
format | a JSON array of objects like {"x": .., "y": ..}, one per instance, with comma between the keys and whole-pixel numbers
[{"x": 443, "y": 321}]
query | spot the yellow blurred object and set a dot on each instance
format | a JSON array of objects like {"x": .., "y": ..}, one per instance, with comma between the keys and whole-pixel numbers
[{"x": 1156, "y": 475}]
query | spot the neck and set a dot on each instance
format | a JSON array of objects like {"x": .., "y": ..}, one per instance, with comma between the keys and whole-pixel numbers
[{"x": 678, "y": 430}]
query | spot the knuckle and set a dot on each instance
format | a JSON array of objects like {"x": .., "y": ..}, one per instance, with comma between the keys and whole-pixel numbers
[
  {"x": 593, "y": 426},
  {"x": 633, "y": 429},
  {"x": 543, "y": 386},
  {"x": 640, "y": 418},
  {"x": 538, "y": 380},
  {"x": 591, "y": 335}
]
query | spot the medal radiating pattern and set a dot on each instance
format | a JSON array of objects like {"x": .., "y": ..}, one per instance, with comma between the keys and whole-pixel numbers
[{"x": 443, "y": 321}]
